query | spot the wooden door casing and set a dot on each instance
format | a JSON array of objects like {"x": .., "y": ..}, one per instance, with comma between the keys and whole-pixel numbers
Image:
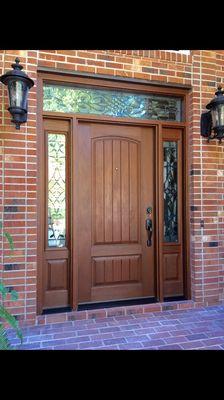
[
  {"x": 106, "y": 82},
  {"x": 116, "y": 181}
]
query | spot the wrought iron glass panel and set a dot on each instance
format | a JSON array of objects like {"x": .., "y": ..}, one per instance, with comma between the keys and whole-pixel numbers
[
  {"x": 56, "y": 190},
  {"x": 170, "y": 191},
  {"x": 110, "y": 102}
]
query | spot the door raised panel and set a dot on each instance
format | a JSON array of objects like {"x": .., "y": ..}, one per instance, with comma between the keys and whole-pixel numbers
[
  {"x": 173, "y": 273},
  {"x": 171, "y": 266},
  {"x": 57, "y": 274},
  {"x": 116, "y": 188},
  {"x": 116, "y": 270}
]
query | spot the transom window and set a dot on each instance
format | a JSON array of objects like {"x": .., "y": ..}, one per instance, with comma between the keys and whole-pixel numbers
[{"x": 115, "y": 103}]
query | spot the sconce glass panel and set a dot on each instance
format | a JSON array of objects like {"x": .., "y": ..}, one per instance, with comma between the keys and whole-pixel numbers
[
  {"x": 218, "y": 115},
  {"x": 17, "y": 93}
]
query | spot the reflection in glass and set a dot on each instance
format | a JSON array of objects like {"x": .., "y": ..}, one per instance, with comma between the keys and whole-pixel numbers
[
  {"x": 56, "y": 190},
  {"x": 111, "y": 102},
  {"x": 218, "y": 115},
  {"x": 17, "y": 93},
  {"x": 170, "y": 191}
]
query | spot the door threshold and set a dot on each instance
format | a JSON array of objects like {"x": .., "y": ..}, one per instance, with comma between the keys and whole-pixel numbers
[
  {"x": 111, "y": 304},
  {"x": 116, "y": 303},
  {"x": 174, "y": 298},
  {"x": 56, "y": 310}
]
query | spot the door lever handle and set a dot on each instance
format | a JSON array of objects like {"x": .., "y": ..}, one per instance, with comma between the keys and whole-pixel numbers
[{"x": 148, "y": 227}]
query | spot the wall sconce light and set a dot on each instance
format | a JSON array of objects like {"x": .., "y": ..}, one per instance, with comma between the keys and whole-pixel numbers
[
  {"x": 18, "y": 84},
  {"x": 213, "y": 120}
]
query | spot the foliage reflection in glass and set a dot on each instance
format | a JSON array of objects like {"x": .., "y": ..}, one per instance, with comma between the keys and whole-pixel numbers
[
  {"x": 56, "y": 190},
  {"x": 111, "y": 102},
  {"x": 170, "y": 191}
]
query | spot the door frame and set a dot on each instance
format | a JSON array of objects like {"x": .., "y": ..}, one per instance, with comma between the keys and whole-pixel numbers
[{"x": 91, "y": 81}]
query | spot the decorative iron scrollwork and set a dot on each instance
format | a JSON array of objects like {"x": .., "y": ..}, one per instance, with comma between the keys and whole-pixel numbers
[{"x": 170, "y": 192}]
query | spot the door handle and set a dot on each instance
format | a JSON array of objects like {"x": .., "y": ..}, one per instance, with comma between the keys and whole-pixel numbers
[{"x": 148, "y": 227}]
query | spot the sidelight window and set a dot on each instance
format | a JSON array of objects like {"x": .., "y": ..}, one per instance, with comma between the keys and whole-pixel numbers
[
  {"x": 115, "y": 103},
  {"x": 170, "y": 191},
  {"x": 56, "y": 190}
]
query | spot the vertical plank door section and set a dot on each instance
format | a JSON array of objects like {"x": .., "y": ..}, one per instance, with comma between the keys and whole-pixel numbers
[
  {"x": 56, "y": 254},
  {"x": 172, "y": 206},
  {"x": 115, "y": 187}
]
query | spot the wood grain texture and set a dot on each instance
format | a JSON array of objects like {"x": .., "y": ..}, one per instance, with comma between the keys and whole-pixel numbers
[
  {"x": 116, "y": 178},
  {"x": 117, "y": 189},
  {"x": 109, "y": 270}
]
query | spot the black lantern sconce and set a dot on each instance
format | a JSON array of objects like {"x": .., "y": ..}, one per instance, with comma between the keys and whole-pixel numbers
[
  {"x": 18, "y": 87},
  {"x": 212, "y": 121}
]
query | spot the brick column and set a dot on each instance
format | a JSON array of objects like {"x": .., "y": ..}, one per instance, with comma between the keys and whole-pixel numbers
[
  {"x": 206, "y": 187},
  {"x": 19, "y": 196}
]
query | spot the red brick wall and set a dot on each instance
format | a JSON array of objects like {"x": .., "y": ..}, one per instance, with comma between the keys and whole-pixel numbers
[{"x": 203, "y": 69}]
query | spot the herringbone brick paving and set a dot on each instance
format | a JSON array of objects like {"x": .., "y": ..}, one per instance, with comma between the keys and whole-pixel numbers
[{"x": 201, "y": 328}]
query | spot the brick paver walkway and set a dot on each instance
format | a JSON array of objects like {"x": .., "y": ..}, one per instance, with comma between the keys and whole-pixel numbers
[{"x": 169, "y": 330}]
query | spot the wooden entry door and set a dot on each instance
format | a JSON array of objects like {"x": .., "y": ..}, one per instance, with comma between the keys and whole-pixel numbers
[{"x": 116, "y": 185}]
